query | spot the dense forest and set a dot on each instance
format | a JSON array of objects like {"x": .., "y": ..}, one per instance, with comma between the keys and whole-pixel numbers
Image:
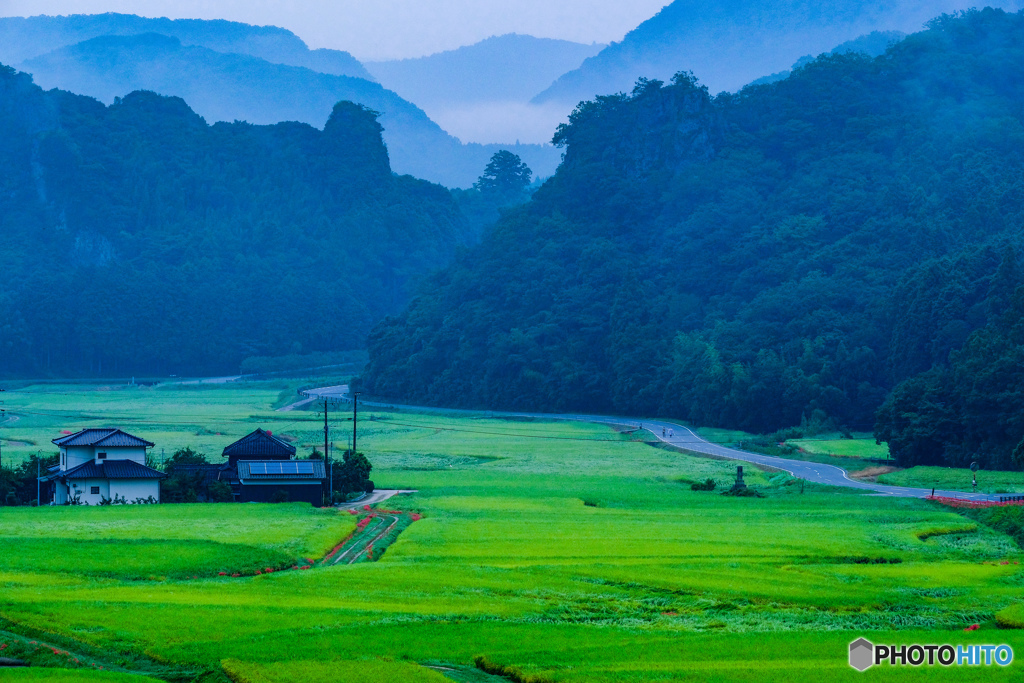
[
  {"x": 137, "y": 239},
  {"x": 788, "y": 254}
]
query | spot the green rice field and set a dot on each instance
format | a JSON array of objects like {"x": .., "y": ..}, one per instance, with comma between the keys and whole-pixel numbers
[
  {"x": 547, "y": 551},
  {"x": 861, "y": 446},
  {"x": 957, "y": 479}
]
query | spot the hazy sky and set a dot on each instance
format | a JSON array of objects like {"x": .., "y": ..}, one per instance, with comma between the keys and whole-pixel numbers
[{"x": 386, "y": 29}]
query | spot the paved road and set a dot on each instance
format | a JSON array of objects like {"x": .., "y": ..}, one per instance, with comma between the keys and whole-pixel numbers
[
  {"x": 686, "y": 439},
  {"x": 378, "y": 496},
  {"x": 819, "y": 473}
]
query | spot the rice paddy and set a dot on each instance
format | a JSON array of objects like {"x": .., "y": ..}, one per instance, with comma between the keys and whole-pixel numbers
[
  {"x": 550, "y": 551},
  {"x": 956, "y": 479}
]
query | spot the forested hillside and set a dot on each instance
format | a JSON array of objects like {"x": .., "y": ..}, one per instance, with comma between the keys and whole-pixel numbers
[
  {"x": 137, "y": 239},
  {"x": 729, "y": 44},
  {"x": 786, "y": 254}
]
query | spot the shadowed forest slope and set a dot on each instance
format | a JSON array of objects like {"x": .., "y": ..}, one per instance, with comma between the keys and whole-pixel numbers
[
  {"x": 137, "y": 239},
  {"x": 789, "y": 253}
]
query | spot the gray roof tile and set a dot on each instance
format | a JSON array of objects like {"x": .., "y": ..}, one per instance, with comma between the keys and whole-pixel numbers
[
  {"x": 113, "y": 469},
  {"x": 112, "y": 438},
  {"x": 259, "y": 444}
]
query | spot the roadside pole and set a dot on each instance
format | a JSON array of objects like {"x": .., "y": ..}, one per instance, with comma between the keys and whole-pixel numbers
[
  {"x": 355, "y": 419},
  {"x": 327, "y": 458}
]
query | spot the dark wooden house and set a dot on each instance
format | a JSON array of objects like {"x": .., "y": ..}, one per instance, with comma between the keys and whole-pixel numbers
[
  {"x": 259, "y": 445},
  {"x": 265, "y": 471}
]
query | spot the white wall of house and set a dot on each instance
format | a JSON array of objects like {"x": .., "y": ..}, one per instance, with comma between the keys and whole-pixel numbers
[
  {"x": 131, "y": 489},
  {"x": 73, "y": 456},
  {"x": 85, "y": 487},
  {"x": 138, "y": 454}
]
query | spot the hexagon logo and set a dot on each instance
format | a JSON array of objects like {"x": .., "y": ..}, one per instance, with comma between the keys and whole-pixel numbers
[{"x": 861, "y": 654}]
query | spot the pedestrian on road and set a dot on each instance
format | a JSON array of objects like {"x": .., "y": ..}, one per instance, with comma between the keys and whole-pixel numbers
[
  {"x": 671, "y": 433},
  {"x": 663, "y": 432}
]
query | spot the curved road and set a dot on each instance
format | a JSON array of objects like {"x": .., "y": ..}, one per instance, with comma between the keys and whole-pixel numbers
[{"x": 687, "y": 440}]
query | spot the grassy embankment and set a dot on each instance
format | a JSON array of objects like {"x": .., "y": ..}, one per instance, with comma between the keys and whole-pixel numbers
[{"x": 563, "y": 551}]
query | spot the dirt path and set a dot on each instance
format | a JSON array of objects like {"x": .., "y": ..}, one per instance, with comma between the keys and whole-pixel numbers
[
  {"x": 298, "y": 404},
  {"x": 347, "y": 558}
]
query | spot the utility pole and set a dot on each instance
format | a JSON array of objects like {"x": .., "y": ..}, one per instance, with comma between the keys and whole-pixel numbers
[
  {"x": 355, "y": 418},
  {"x": 327, "y": 459},
  {"x": 3, "y": 418},
  {"x": 38, "y": 474}
]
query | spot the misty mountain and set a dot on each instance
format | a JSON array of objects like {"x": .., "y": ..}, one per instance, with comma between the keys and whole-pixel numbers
[
  {"x": 872, "y": 45},
  {"x": 24, "y": 38},
  {"x": 228, "y": 87},
  {"x": 136, "y": 239},
  {"x": 481, "y": 92},
  {"x": 784, "y": 255},
  {"x": 729, "y": 44},
  {"x": 504, "y": 68}
]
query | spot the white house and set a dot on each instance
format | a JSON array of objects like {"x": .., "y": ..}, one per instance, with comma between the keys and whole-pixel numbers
[{"x": 102, "y": 463}]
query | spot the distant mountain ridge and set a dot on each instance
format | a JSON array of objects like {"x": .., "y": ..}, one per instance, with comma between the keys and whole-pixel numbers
[
  {"x": 729, "y": 44},
  {"x": 224, "y": 86},
  {"x": 507, "y": 67},
  {"x": 872, "y": 45},
  {"x": 24, "y": 38},
  {"x": 481, "y": 92}
]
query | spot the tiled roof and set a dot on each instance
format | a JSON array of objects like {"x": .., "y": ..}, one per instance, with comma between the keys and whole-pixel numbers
[
  {"x": 111, "y": 438},
  {"x": 113, "y": 469},
  {"x": 293, "y": 470},
  {"x": 259, "y": 444}
]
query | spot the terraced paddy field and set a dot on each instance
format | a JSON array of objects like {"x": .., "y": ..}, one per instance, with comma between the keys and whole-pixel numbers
[{"x": 544, "y": 551}]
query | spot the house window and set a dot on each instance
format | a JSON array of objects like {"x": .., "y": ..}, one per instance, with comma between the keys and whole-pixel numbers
[
  {"x": 101, "y": 456},
  {"x": 94, "y": 490}
]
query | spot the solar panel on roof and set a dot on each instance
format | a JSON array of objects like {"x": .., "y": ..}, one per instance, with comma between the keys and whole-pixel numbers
[{"x": 283, "y": 467}]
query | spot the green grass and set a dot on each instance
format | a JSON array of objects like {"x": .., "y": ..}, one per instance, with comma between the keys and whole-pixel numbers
[
  {"x": 564, "y": 550},
  {"x": 204, "y": 417},
  {"x": 351, "y": 671},
  {"x": 726, "y": 437},
  {"x": 831, "y": 449},
  {"x": 956, "y": 479},
  {"x": 180, "y": 541},
  {"x": 861, "y": 446},
  {"x": 70, "y": 676}
]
